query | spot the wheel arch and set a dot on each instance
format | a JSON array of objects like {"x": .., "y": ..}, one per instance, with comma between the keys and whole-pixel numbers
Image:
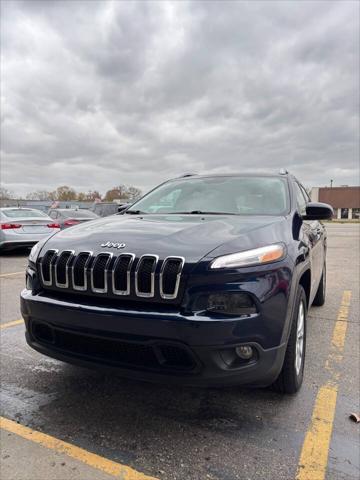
[{"x": 305, "y": 282}]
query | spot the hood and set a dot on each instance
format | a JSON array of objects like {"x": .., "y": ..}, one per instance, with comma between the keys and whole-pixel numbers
[{"x": 190, "y": 236}]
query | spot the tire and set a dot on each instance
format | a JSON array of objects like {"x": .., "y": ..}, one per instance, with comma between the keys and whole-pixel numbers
[
  {"x": 291, "y": 376},
  {"x": 319, "y": 299}
]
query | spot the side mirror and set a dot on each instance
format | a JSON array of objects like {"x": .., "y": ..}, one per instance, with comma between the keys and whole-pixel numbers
[{"x": 318, "y": 211}]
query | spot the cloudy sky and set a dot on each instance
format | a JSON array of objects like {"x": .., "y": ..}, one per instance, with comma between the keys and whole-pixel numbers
[{"x": 97, "y": 93}]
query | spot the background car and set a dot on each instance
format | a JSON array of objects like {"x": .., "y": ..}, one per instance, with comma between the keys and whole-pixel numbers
[
  {"x": 67, "y": 217},
  {"x": 104, "y": 209},
  {"x": 23, "y": 227}
]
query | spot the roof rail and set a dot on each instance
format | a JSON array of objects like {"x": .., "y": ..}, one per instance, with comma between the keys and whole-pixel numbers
[
  {"x": 283, "y": 171},
  {"x": 187, "y": 175}
]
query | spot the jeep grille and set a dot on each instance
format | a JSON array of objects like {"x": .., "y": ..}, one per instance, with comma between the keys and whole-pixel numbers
[{"x": 104, "y": 273}]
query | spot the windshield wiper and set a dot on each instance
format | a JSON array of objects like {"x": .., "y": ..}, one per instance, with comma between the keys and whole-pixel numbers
[
  {"x": 135, "y": 212},
  {"x": 201, "y": 212}
]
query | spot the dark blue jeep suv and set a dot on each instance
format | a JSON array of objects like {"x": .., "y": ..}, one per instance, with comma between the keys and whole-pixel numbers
[{"x": 205, "y": 281}]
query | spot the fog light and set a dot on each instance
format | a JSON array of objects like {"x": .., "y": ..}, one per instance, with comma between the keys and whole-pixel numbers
[{"x": 245, "y": 352}]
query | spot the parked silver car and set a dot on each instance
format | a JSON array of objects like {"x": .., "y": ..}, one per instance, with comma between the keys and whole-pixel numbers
[
  {"x": 23, "y": 227},
  {"x": 67, "y": 217},
  {"x": 104, "y": 209}
]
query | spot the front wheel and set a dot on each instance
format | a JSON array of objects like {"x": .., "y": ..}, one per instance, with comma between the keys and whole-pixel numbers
[{"x": 292, "y": 372}]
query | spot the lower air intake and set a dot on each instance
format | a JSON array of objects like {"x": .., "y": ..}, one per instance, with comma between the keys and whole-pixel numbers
[{"x": 115, "y": 351}]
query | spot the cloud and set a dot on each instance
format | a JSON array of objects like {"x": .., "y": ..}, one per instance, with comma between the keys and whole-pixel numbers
[{"x": 100, "y": 93}]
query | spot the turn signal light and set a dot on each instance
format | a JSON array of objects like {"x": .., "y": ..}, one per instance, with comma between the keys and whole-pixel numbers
[
  {"x": 257, "y": 256},
  {"x": 8, "y": 226}
]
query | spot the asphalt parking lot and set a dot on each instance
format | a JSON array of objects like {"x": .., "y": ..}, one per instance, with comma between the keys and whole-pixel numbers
[{"x": 100, "y": 426}]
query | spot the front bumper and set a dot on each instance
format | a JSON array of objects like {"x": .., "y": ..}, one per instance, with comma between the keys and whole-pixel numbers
[{"x": 152, "y": 346}]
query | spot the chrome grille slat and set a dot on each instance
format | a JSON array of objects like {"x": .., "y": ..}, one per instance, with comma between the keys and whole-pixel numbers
[
  {"x": 79, "y": 256},
  {"x": 52, "y": 254},
  {"x": 68, "y": 255},
  {"x": 117, "y": 267},
  {"x": 165, "y": 265},
  {"x": 151, "y": 292},
  {"x": 105, "y": 274}
]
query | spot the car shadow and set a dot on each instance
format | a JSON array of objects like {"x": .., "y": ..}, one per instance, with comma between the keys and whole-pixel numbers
[
  {"x": 81, "y": 394},
  {"x": 150, "y": 426},
  {"x": 16, "y": 253}
]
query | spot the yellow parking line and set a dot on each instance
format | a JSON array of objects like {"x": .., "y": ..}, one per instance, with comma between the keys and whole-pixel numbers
[
  {"x": 315, "y": 450},
  {"x": 11, "y": 324},
  {"x": 115, "y": 469},
  {"x": 11, "y": 274}
]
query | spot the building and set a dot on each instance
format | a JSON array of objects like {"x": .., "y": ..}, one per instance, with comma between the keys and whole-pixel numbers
[
  {"x": 44, "y": 205},
  {"x": 344, "y": 200}
]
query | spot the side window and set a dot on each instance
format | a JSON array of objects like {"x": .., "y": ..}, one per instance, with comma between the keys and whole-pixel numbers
[{"x": 300, "y": 199}]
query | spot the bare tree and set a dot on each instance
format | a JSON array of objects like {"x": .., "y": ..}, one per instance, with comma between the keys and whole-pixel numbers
[
  {"x": 65, "y": 193},
  {"x": 92, "y": 195},
  {"x": 40, "y": 195},
  {"x": 123, "y": 192},
  {"x": 115, "y": 193},
  {"x": 5, "y": 194},
  {"x": 134, "y": 193}
]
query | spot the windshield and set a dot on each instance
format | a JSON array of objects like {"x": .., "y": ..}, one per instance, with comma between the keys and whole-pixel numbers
[
  {"x": 231, "y": 195},
  {"x": 23, "y": 213}
]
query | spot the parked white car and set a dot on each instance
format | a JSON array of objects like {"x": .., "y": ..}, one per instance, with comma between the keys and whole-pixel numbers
[{"x": 23, "y": 227}]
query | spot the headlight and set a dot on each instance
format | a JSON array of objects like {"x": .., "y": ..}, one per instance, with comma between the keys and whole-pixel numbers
[{"x": 258, "y": 256}]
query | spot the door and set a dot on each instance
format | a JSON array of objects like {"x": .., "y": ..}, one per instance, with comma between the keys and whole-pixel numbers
[{"x": 313, "y": 233}]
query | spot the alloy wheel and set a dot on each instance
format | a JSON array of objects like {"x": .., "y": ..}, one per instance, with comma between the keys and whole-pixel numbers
[{"x": 300, "y": 338}]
